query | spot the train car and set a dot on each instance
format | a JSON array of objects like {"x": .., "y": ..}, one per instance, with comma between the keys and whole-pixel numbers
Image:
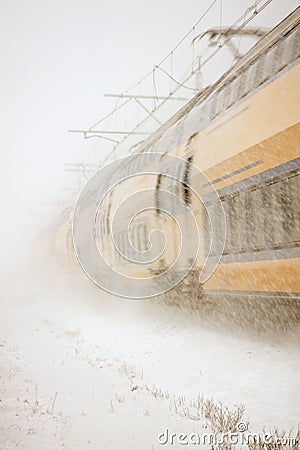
[{"x": 243, "y": 134}]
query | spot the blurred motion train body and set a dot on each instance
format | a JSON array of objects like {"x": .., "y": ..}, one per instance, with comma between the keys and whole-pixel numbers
[{"x": 243, "y": 133}]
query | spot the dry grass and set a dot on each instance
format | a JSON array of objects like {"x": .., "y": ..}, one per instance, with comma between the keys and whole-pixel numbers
[
  {"x": 221, "y": 419},
  {"x": 213, "y": 416},
  {"x": 276, "y": 440},
  {"x": 40, "y": 407}
]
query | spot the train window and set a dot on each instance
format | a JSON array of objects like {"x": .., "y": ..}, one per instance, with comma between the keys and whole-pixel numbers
[
  {"x": 241, "y": 233},
  {"x": 144, "y": 237},
  {"x": 254, "y": 73},
  {"x": 273, "y": 60},
  {"x": 213, "y": 107},
  {"x": 233, "y": 92},
  {"x": 286, "y": 213},
  {"x": 211, "y": 224},
  {"x": 296, "y": 43},
  {"x": 205, "y": 228},
  {"x": 168, "y": 180},
  {"x": 127, "y": 169},
  {"x": 138, "y": 161},
  {"x": 147, "y": 156},
  {"x": 289, "y": 48},
  {"x": 267, "y": 212},
  {"x": 157, "y": 187},
  {"x": 243, "y": 86},
  {"x": 250, "y": 211},
  {"x": 229, "y": 94},
  {"x": 186, "y": 181},
  {"x": 259, "y": 71},
  {"x": 278, "y": 207},
  {"x": 117, "y": 245},
  {"x": 121, "y": 246},
  {"x": 107, "y": 216},
  {"x": 177, "y": 180},
  {"x": 190, "y": 142},
  {"x": 258, "y": 220},
  {"x": 230, "y": 205},
  {"x": 133, "y": 237},
  {"x": 220, "y": 102},
  {"x": 203, "y": 115},
  {"x": 268, "y": 224},
  {"x": 125, "y": 243},
  {"x": 102, "y": 214},
  {"x": 226, "y": 206},
  {"x": 268, "y": 66},
  {"x": 292, "y": 219},
  {"x": 251, "y": 78},
  {"x": 233, "y": 205},
  {"x": 252, "y": 222},
  {"x": 100, "y": 222},
  {"x": 226, "y": 91},
  {"x": 206, "y": 110},
  {"x": 280, "y": 49},
  {"x": 227, "y": 248},
  {"x": 139, "y": 238}
]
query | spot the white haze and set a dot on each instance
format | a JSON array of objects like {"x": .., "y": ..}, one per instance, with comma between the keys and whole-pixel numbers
[{"x": 58, "y": 332}]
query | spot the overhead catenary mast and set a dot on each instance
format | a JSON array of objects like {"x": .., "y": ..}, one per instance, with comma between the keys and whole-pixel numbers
[{"x": 157, "y": 106}]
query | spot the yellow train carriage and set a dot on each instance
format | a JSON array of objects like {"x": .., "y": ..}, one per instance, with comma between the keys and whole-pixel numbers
[{"x": 243, "y": 133}]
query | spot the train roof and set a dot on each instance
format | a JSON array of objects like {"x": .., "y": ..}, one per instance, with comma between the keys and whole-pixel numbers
[{"x": 269, "y": 40}]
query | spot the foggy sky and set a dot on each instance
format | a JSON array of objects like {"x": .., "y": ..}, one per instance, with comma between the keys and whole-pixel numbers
[{"x": 58, "y": 58}]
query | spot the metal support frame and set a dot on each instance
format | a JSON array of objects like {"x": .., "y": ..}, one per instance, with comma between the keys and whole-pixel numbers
[
  {"x": 215, "y": 34},
  {"x": 148, "y": 97}
]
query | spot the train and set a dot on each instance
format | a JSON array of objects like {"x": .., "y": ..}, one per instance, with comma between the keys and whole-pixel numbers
[{"x": 242, "y": 133}]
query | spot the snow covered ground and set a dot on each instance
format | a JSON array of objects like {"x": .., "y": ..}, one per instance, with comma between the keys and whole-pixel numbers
[{"x": 81, "y": 370}]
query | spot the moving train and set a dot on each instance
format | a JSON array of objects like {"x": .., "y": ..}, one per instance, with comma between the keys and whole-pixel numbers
[{"x": 243, "y": 133}]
